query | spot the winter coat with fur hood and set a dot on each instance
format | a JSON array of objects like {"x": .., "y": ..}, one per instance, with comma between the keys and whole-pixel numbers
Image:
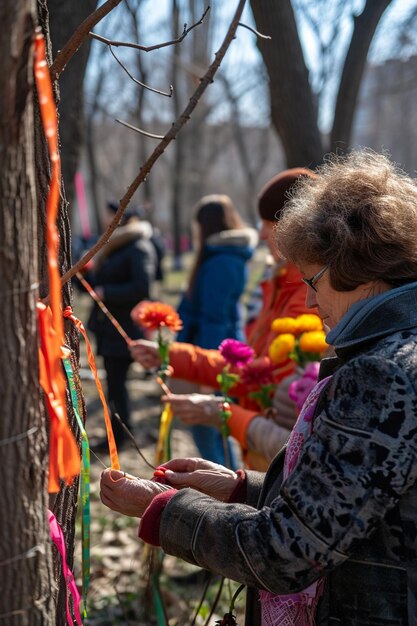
[{"x": 125, "y": 269}]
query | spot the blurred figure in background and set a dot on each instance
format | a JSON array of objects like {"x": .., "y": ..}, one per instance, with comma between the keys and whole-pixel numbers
[
  {"x": 283, "y": 294},
  {"x": 122, "y": 275},
  {"x": 210, "y": 309}
]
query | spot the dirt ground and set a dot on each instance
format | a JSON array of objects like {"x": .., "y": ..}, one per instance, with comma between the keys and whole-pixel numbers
[{"x": 119, "y": 591}]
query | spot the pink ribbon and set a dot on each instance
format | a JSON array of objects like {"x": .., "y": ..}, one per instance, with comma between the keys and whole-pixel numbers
[{"x": 59, "y": 540}]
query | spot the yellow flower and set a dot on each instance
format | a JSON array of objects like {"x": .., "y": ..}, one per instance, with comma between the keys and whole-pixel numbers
[
  {"x": 308, "y": 321},
  {"x": 313, "y": 341},
  {"x": 281, "y": 347},
  {"x": 285, "y": 325}
]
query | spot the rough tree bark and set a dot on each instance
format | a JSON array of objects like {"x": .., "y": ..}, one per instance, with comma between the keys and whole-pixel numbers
[
  {"x": 179, "y": 152},
  {"x": 25, "y": 552},
  {"x": 63, "y": 504},
  {"x": 64, "y": 17},
  {"x": 293, "y": 108},
  {"x": 293, "y": 104},
  {"x": 365, "y": 26}
]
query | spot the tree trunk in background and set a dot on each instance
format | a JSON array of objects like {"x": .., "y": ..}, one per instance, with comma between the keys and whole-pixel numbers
[
  {"x": 64, "y": 17},
  {"x": 64, "y": 503},
  {"x": 25, "y": 550},
  {"x": 364, "y": 29},
  {"x": 179, "y": 151},
  {"x": 293, "y": 109}
]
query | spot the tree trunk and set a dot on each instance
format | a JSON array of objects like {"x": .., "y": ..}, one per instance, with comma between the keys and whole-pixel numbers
[
  {"x": 179, "y": 152},
  {"x": 25, "y": 552},
  {"x": 293, "y": 109},
  {"x": 64, "y": 17},
  {"x": 364, "y": 29},
  {"x": 63, "y": 504}
]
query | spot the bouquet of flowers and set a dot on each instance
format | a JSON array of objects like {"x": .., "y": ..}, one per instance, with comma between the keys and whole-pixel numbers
[
  {"x": 160, "y": 317},
  {"x": 301, "y": 339}
]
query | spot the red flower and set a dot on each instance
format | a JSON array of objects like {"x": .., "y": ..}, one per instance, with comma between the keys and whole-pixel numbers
[
  {"x": 258, "y": 372},
  {"x": 235, "y": 352},
  {"x": 154, "y": 315}
]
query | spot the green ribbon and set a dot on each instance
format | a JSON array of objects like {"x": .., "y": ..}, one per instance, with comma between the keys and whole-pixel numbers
[{"x": 84, "y": 485}]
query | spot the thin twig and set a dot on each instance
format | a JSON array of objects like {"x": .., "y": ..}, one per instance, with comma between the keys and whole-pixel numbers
[
  {"x": 98, "y": 458},
  {"x": 135, "y": 80},
  {"x": 216, "y": 601},
  {"x": 122, "y": 606},
  {"x": 139, "y": 130},
  {"x": 137, "y": 46},
  {"x": 203, "y": 597},
  {"x": 256, "y": 32},
  {"x": 160, "y": 148},
  {"x": 79, "y": 36},
  {"x": 132, "y": 439}
]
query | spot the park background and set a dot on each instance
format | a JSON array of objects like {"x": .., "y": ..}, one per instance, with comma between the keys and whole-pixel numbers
[{"x": 335, "y": 74}]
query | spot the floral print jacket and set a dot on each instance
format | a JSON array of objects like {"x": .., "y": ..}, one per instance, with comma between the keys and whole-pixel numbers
[{"x": 348, "y": 511}]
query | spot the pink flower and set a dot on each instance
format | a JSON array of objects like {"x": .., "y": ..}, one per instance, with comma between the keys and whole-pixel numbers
[
  {"x": 235, "y": 352},
  {"x": 312, "y": 370},
  {"x": 258, "y": 372},
  {"x": 299, "y": 390}
]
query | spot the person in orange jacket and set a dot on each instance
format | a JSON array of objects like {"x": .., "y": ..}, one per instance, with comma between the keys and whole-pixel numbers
[{"x": 284, "y": 295}]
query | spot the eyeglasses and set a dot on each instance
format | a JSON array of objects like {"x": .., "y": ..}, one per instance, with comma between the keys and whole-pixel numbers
[{"x": 311, "y": 281}]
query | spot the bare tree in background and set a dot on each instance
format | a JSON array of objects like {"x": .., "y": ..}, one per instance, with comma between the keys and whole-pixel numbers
[
  {"x": 294, "y": 108},
  {"x": 64, "y": 18}
]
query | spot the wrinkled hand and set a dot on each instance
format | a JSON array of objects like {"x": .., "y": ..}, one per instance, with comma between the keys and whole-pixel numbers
[
  {"x": 196, "y": 408},
  {"x": 145, "y": 352},
  {"x": 127, "y": 494},
  {"x": 210, "y": 478}
]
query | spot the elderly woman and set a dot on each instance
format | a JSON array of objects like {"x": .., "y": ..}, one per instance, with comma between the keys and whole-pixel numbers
[{"x": 329, "y": 534}]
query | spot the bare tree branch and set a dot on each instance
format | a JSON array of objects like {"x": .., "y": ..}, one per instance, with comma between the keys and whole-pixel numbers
[
  {"x": 365, "y": 25},
  {"x": 160, "y": 148},
  {"x": 139, "y": 130},
  {"x": 79, "y": 36},
  {"x": 135, "y": 80},
  {"x": 137, "y": 46},
  {"x": 252, "y": 30}
]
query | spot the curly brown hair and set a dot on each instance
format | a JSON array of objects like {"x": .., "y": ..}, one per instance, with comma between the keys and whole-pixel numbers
[{"x": 359, "y": 217}]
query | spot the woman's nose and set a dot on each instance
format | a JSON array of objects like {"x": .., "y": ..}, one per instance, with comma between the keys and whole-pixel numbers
[{"x": 311, "y": 301}]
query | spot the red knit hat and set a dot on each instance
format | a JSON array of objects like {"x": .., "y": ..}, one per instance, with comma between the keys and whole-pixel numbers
[{"x": 274, "y": 194}]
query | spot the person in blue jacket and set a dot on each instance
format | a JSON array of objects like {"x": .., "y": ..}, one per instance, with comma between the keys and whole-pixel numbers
[{"x": 210, "y": 308}]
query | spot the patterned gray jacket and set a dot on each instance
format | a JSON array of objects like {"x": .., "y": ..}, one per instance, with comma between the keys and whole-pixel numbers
[{"x": 348, "y": 511}]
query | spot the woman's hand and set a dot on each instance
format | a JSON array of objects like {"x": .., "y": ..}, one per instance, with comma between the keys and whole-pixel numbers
[
  {"x": 196, "y": 408},
  {"x": 127, "y": 494},
  {"x": 210, "y": 478},
  {"x": 146, "y": 353}
]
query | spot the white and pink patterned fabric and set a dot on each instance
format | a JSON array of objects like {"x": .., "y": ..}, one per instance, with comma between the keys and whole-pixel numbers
[{"x": 295, "y": 609}]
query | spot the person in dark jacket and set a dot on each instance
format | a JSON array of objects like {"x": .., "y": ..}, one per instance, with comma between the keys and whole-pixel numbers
[
  {"x": 329, "y": 535},
  {"x": 123, "y": 274},
  {"x": 210, "y": 309}
]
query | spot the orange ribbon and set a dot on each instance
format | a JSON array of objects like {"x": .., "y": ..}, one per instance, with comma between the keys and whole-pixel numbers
[
  {"x": 64, "y": 457},
  {"x": 110, "y": 437}
]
